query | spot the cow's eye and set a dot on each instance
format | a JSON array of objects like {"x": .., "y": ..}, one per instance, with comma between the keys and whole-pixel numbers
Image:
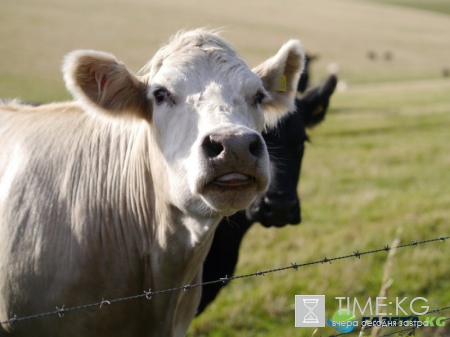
[
  {"x": 259, "y": 97},
  {"x": 161, "y": 95}
]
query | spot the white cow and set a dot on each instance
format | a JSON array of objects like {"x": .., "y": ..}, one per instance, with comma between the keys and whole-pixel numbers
[{"x": 121, "y": 190}]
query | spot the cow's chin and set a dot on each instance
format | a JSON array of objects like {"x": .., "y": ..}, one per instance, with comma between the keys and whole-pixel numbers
[
  {"x": 230, "y": 193},
  {"x": 227, "y": 201}
]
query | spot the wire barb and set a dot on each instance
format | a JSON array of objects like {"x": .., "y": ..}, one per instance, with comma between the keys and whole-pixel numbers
[
  {"x": 357, "y": 254},
  {"x": 12, "y": 320},
  {"x": 294, "y": 266},
  {"x": 61, "y": 311},
  {"x": 437, "y": 310},
  {"x": 224, "y": 279},
  {"x": 148, "y": 294},
  {"x": 104, "y": 302}
]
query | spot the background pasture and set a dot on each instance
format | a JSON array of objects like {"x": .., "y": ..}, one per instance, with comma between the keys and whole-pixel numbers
[{"x": 379, "y": 163}]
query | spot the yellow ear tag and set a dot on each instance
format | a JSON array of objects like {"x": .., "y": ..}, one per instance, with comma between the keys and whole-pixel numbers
[
  {"x": 282, "y": 85},
  {"x": 318, "y": 110}
]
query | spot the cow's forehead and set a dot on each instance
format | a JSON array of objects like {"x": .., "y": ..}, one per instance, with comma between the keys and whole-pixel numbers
[
  {"x": 185, "y": 73},
  {"x": 185, "y": 44},
  {"x": 196, "y": 74},
  {"x": 192, "y": 60}
]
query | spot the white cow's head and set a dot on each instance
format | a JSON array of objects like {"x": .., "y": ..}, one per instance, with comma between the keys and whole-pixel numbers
[{"x": 206, "y": 110}]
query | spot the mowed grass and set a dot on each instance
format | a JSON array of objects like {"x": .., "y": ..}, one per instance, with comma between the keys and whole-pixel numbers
[{"x": 376, "y": 168}]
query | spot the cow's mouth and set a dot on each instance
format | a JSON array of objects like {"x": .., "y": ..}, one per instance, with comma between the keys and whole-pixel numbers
[
  {"x": 234, "y": 181},
  {"x": 229, "y": 192}
]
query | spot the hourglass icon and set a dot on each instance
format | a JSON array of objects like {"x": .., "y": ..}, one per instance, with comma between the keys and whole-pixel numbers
[
  {"x": 310, "y": 304},
  {"x": 310, "y": 311}
]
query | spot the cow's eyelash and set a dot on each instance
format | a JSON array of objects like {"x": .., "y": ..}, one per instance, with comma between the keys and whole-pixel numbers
[
  {"x": 259, "y": 98},
  {"x": 162, "y": 95}
]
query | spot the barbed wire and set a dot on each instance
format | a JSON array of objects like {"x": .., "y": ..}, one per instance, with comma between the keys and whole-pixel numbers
[
  {"x": 149, "y": 294},
  {"x": 409, "y": 329}
]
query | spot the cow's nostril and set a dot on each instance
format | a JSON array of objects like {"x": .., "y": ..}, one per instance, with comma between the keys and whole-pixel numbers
[
  {"x": 240, "y": 145},
  {"x": 212, "y": 147},
  {"x": 256, "y": 147}
]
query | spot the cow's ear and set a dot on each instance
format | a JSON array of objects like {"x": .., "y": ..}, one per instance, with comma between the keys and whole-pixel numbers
[
  {"x": 280, "y": 75},
  {"x": 99, "y": 80},
  {"x": 313, "y": 105}
]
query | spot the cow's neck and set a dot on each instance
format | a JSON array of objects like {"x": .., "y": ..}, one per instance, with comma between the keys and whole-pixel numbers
[
  {"x": 176, "y": 260},
  {"x": 183, "y": 237},
  {"x": 179, "y": 247}
]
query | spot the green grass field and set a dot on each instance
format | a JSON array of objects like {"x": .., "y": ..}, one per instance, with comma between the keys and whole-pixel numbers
[{"x": 379, "y": 165}]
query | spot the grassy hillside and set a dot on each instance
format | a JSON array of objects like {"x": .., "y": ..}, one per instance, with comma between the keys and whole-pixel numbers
[
  {"x": 36, "y": 35},
  {"x": 378, "y": 165}
]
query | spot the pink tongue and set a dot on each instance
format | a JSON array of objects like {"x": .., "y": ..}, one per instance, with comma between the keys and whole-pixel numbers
[{"x": 232, "y": 177}]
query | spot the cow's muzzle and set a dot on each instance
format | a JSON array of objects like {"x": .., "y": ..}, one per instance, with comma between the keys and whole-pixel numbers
[
  {"x": 236, "y": 168},
  {"x": 233, "y": 158}
]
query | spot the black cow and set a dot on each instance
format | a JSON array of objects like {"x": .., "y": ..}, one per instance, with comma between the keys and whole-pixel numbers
[{"x": 280, "y": 205}]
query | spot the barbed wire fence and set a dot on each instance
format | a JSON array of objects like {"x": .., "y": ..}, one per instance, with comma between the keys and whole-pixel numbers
[
  {"x": 149, "y": 294},
  {"x": 405, "y": 329}
]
